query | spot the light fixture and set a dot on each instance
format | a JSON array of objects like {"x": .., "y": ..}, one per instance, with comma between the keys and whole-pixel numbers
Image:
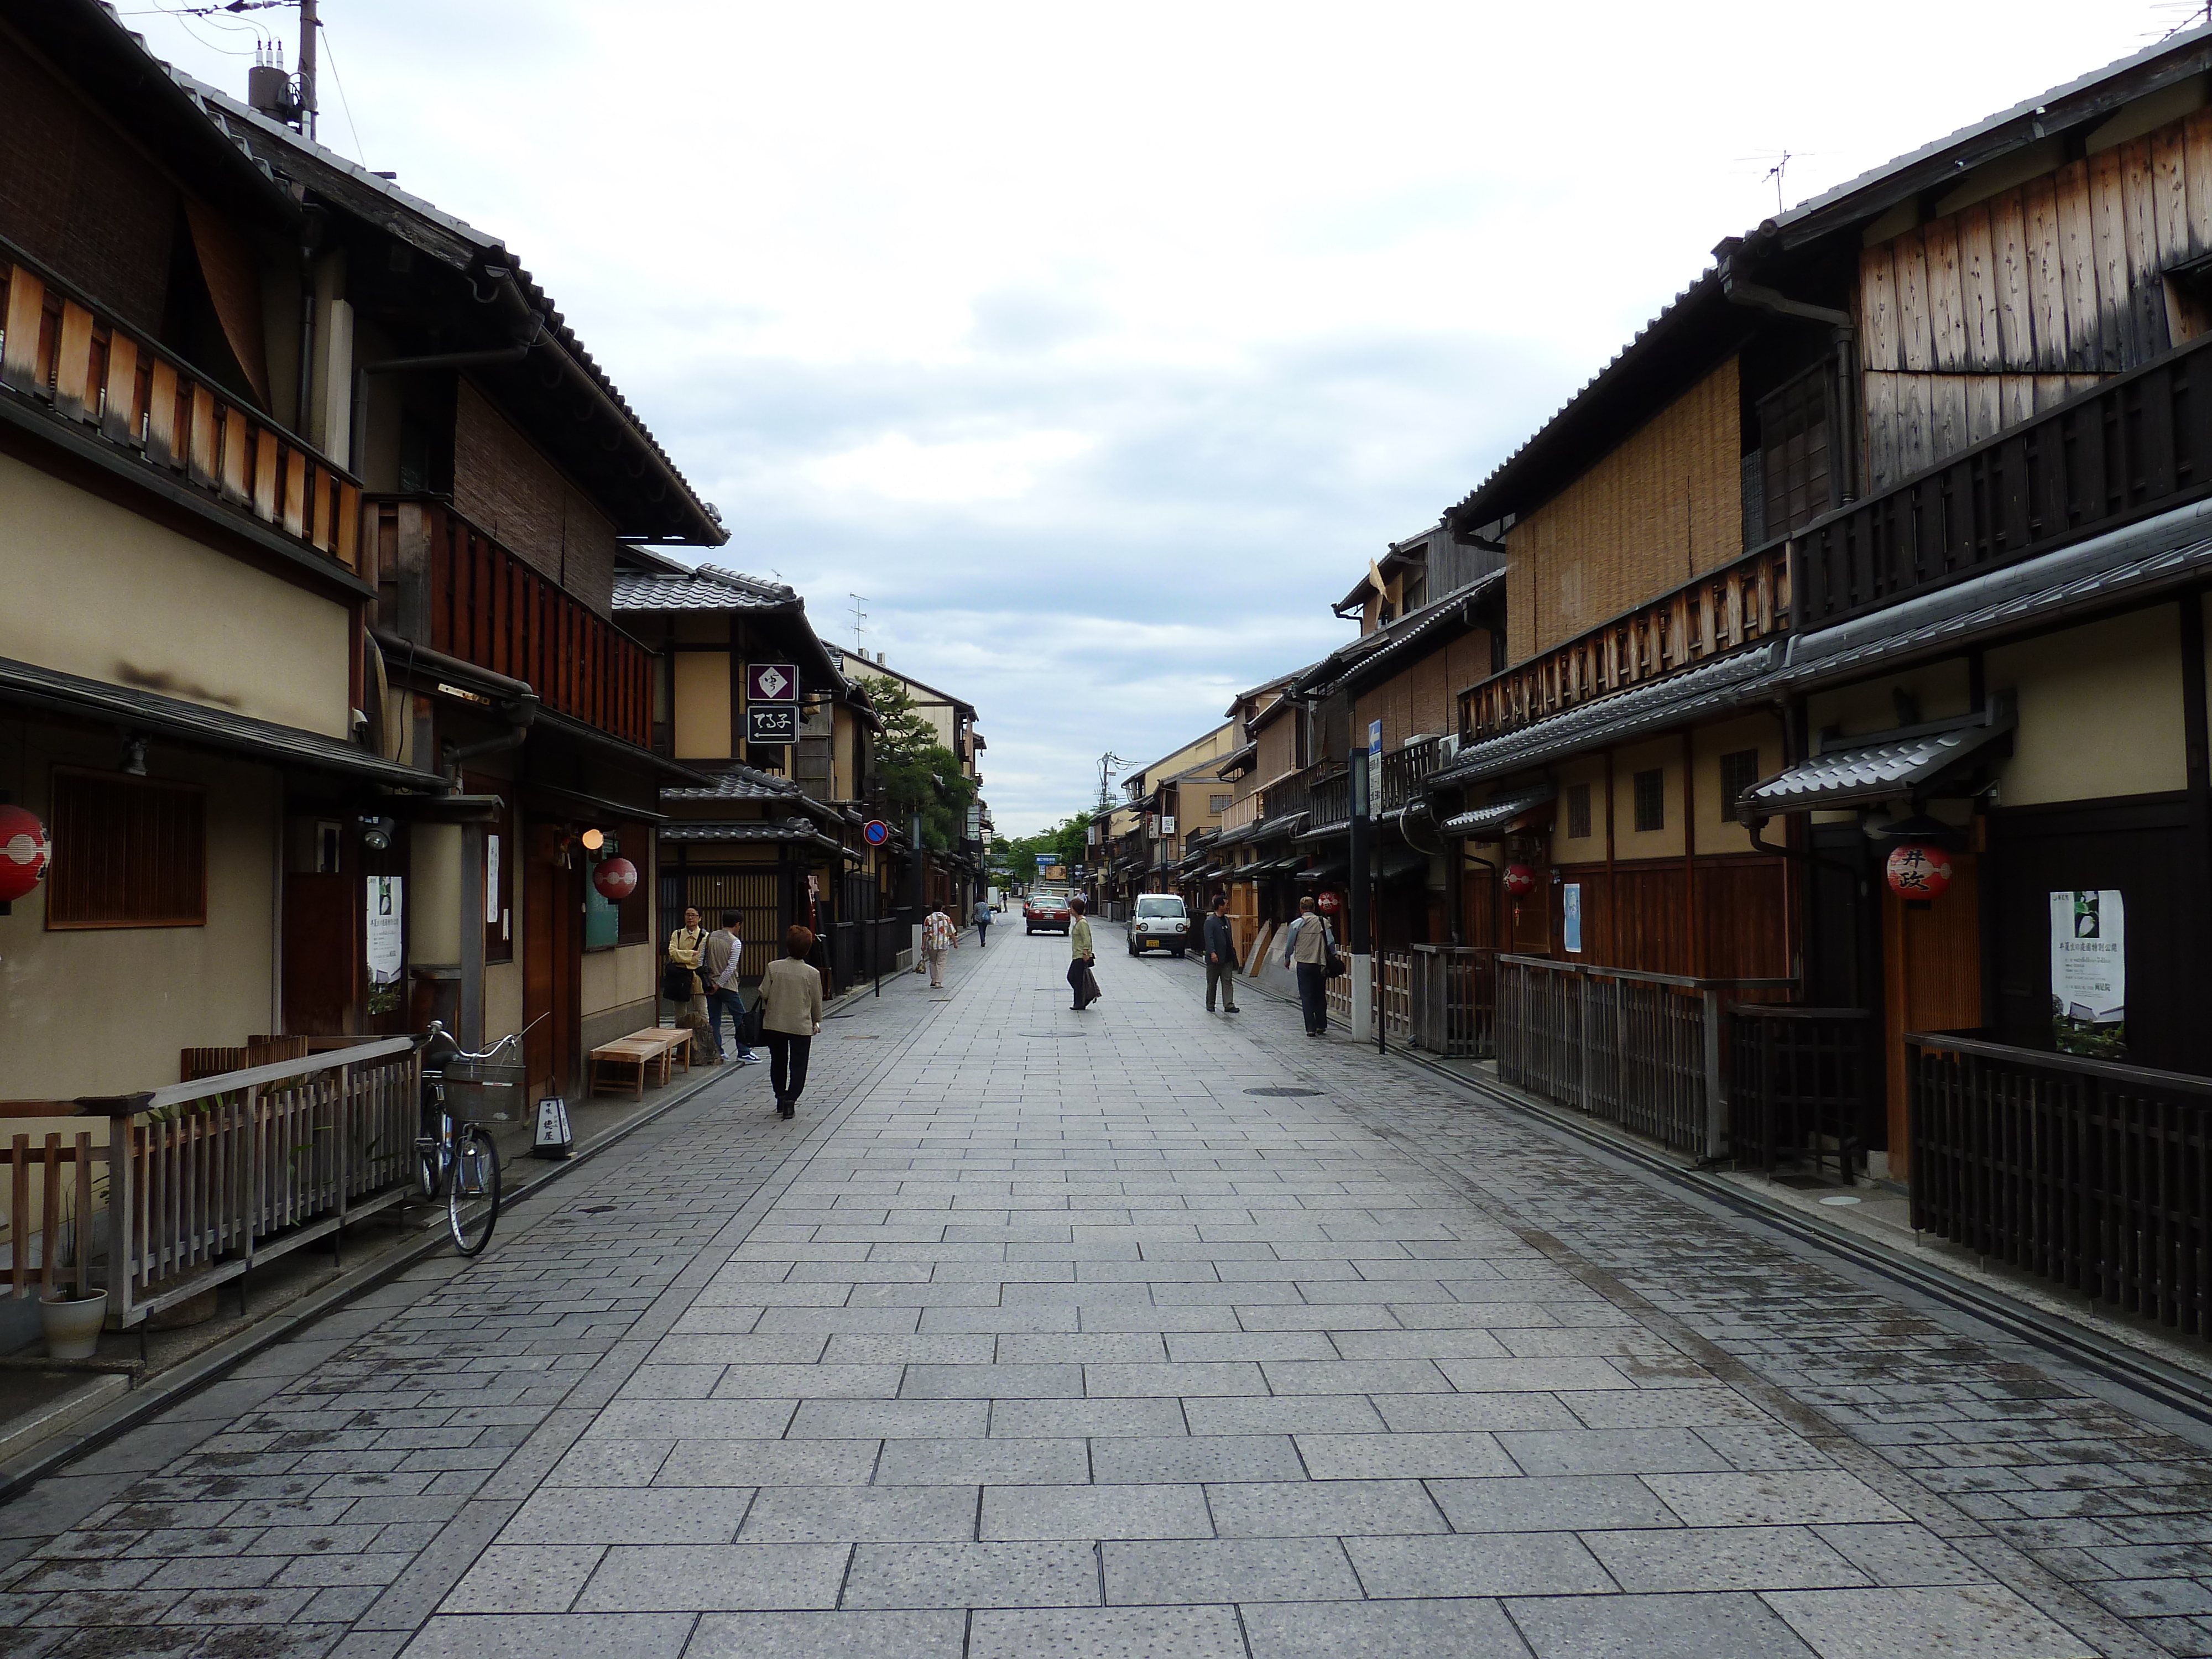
[
  {"x": 376, "y": 833},
  {"x": 134, "y": 753},
  {"x": 592, "y": 839}
]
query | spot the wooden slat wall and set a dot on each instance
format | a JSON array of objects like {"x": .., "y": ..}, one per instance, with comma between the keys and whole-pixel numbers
[
  {"x": 491, "y": 609},
  {"x": 1980, "y": 320}
]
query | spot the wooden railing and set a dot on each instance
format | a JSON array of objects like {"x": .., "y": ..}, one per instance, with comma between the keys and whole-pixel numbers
[
  {"x": 1453, "y": 995},
  {"x": 1799, "y": 1090},
  {"x": 486, "y": 606},
  {"x": 146, "y": 403},
  {"x": 1722, "y": 610},
  {"x": 2093, "y": 1175},
  {"x": 1328, "y": 801},
  {"x": 2139, "y": 444},
  {"x": 1641, "y": 1050},
  {"x": 206, "y": 1179},
  {"x": 1404, "y": 773}
]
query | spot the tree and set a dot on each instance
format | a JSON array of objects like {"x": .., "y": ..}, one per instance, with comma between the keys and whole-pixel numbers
[
  {"x": 920, "y": 774},
  {"x": 1066, "y": 840}
]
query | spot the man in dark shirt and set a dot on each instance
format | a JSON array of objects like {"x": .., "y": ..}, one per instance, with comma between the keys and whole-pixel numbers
[{"x": 1220, "y": 946}]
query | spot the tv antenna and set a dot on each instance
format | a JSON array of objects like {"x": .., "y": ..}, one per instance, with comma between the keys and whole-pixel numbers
[{"x": 859, "y": 618}]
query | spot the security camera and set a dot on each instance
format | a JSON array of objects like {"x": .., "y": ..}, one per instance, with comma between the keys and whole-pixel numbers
[{"x": 376, "y": 833}]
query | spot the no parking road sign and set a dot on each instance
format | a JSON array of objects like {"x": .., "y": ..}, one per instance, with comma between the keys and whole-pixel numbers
[{"x": 875, "y": 832}]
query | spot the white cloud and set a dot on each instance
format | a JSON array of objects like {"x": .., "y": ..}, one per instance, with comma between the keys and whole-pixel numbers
[{"x": 898, "y": 469}]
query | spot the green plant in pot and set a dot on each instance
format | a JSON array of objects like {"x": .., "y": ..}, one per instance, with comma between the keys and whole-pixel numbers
[{"x": 71, "y": 1315}]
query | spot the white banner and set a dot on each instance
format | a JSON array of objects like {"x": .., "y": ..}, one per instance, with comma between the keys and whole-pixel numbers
[
  {"x": 386, "y": 932},
  {"x": 2089, "y": 973}
]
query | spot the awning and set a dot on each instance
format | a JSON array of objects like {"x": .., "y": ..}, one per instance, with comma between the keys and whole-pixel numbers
[
  {"x": 128, "y": 709},
  {"x": 1906, "y": 764},
  {"x": 1237, "y": 762},
  {"x": 1332, "y": 870},
  {"x": 1489, "y": 820},
  {"x": 785, "y": 831},
  {"x": 1260, "y": 871}
]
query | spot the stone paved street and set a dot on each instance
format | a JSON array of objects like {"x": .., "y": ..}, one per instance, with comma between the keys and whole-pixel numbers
[{"x": 1040, "y": 1334}]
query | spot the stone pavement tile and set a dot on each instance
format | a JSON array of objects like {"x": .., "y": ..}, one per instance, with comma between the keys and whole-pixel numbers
[
  {"x": 1302, "y": 1316},
  {"x": 1482, "y": 1564},
  {"x": 1265, "y": 1414},
  {"x": 715, "y": 1578},
  {"x": 1195, "y": 1457},
  {"x": 480, "y": 1636},
  {"x": 894, "y": 1635},
  {"x": 1417, "y": 1345},
  {"x": 2141, "y": 1598},
  {"x": 1611, "y": 1452},
  {"x": 1095, "y": 1513},
  {"x": 1807, "y": 1497},
  {"x": 981, "y": 1575},
  {"x": 993, "y": 1381},
  {"x": 1342, "y": 1376},
  {"x": 1251, "y": 1344},
  {"x": 866, "y": 1515},
  {"x": 1753, "y": 1446},
  {"x": 1108, "y": 1633},
  {"x": 1551, "y": 1376},
  {"x": 1081, "y": 1347},
  {"x": 1722, "y": 1559},
  {"x": 1410, "y": 1456},
  {"x": 610, "y": 1463},
  {"x": 1462, "y": 1629},
  {"x": 1736, "y": 1625},
  {"x": 1029, "y": 1419},
  {"x": 1900, "y": 1555},
  {"x": 1302, "y": 1569},
  {"x": 106, "y": 1607},
  {"x": 768, "y": 1463},
  {"x": 1141, "y": 1320},
  {"x": 692, "y": 1419},
  {"x": 1550, "y": 1503},
  {"x": 1309, "y": 1509},
  {"x": 1183, "y": 1380},
  {"x": 570, "y": 1515},
  {"x": 524, "y": 1579},
  {"x": 971, "y": 1463},
  {"x": 979, "y": 1349},
  {"x": 374, "y": 1567},
  {"x": 1966, "y": 1621},
  {"x": 891, "y": 1419},
  {"x": 1438, "y": 1413},
  {"x": 243, "y": 1607},
  {"x": 813, "y": 1382}
]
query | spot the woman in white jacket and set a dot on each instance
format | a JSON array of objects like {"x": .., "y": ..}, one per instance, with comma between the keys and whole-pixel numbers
[{"x": 790, "y": 1016}]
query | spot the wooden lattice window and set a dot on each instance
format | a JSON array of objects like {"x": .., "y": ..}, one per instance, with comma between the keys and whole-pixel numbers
[
  {"x": 1793, "y": 444},
  {"x": 128, "y": 853},
  {"x": 1650, "y": 800},
  {"x": 1739, "y": 771},
  {"x": 1579, "y": 812}
]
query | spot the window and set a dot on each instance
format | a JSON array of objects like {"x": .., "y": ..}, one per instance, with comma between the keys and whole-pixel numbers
[
  {"x": 1579, "y": 812},
  {"x": 1217, "y": 804},
  {"x": 1650, "y": 800},
  {"x": 128, "y": 853},
  {"x": 1739, "y": 771},
  {"x": 1793, "y": 447}
]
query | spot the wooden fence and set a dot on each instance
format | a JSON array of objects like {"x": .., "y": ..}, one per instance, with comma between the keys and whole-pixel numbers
[
  {"x": 1799, "y": 1085},
  {"x": 2093, "y": 1175},
  {"x": 1453, "y": 993}
]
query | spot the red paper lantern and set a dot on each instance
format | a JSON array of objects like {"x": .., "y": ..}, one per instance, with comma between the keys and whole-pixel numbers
[
  {"x": 1918, "y": 870},
  {"x": 616, "y": 879},
  {"x": 1327, "y": 903},
  {"x": 1519, "y": 878},
  {"x": 25, "y": 851}
]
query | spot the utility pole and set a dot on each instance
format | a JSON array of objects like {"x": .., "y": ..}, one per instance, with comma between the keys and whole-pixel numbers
[
  {"x": 858, "y": 616},
  {"x": 307, "y": 26},
  {"x": 1107, "y": 762}
]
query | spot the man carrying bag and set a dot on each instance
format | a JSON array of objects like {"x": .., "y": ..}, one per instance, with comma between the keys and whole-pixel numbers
[{"x": 1310, "y": 945}]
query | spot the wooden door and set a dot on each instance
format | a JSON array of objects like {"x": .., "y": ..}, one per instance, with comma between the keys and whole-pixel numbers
[
  {"x": 552, "y": 975},
  {"x": 1931, "y": 981},
  {"x": 323, "y": 953}
]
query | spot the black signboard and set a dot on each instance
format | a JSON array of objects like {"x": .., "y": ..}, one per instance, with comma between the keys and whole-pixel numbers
[{"x": 768, "y": 724}]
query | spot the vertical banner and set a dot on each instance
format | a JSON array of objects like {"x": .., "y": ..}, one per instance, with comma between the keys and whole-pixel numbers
[
  {"x": 1570, "y": 910},
  {"x": 386, "y": 936},
  {"x": 491, "y": 880},
  {"x": 2089, "y": 973},
  {"x": 1374, "y": 766}
]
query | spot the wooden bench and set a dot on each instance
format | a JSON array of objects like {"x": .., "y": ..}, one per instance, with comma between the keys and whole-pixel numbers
[{"x": 660, "y": 1045}]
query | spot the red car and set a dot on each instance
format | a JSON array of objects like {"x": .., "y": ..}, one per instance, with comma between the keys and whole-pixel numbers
[{"x": 1047, "y": 912}]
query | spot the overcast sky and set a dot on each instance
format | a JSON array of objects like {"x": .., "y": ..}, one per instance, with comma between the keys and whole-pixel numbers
[{"x": 1101, "y": 350}]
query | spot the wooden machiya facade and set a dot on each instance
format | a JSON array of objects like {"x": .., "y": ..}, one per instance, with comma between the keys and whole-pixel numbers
[{"x": 1895, "y": 530}]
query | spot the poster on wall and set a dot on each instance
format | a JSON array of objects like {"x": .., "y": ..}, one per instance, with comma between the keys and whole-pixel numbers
[
  {"x": 491, "y": 879},
  {"x": 2089, "y": 973},
  {"x": 386, "y": 934},
  {"x": 1570, "y": 909}
]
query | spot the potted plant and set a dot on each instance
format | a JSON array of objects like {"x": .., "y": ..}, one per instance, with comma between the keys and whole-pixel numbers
[{"x": 72, "y": 1318}]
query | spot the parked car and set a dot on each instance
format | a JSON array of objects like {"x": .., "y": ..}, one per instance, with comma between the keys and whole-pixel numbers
[
  {"x": 1046, "y": 913},
  {"x": 1161, "y": 923}
]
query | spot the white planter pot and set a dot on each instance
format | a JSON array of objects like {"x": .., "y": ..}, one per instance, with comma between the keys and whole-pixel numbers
[{"x": 73, "y": 1325}]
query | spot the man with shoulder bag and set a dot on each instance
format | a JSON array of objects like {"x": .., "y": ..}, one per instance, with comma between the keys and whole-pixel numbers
[{"x": 1310, "y": 944}]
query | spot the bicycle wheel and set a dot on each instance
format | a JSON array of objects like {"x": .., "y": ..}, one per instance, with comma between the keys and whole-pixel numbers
[
  {"x": 472, "y": 1200},
  {"x": 430, "y": 1154}
]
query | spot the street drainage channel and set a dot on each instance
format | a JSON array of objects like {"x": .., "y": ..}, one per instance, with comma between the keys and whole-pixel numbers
[{"x": 1282, "y": 1094}]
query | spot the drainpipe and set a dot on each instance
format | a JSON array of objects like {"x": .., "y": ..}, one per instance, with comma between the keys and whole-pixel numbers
[{"x": 1844, "y": 333}]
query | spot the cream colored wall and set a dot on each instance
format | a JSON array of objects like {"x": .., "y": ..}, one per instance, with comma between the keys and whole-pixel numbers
[
  {"x": 100, "y": 592},
  {"x": 1941, "y": 689},
  {"x": 2100, "y": 710},
  {"x": 502, "y": 998},
  {"x": 624, "y": 975},
  {"x": 1590, "y": 769},
  {"x": 105, "y": 1010},
  {"x": 702, "y": 705},
  {"x": 1717, "y": 830},
  {"x": 1666, "y": 754},
  {"x": 433, "y": 902}
]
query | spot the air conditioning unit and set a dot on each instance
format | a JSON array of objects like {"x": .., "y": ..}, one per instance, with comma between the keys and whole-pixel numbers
[{"x": 1447, "y": 748}]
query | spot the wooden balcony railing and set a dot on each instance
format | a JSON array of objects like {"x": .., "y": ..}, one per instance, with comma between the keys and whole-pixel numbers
[
  {"x": 1404, "y": 772},
  {"x": 2139, "y": 444},
  {"x": 1722, "y": 610},
  {"x": 1242, "y": 814},
  {"x": 90, "y": 370},
  {"x": 1294, "y": 794},
  {"x": 486, "y": 606}
]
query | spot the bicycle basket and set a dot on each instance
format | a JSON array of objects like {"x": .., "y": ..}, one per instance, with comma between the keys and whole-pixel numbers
[{"x": 479, "y": 1090}]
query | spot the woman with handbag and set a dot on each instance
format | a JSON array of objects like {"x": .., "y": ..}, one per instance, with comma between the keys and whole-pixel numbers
[
  {"x": 1310, "y": 943},
  {"x": 1082, "y": 958},
  {"x": 791, "y": 1007}
]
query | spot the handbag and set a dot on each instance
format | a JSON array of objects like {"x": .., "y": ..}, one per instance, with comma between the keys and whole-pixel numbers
[{"x": 675, "y": 981}]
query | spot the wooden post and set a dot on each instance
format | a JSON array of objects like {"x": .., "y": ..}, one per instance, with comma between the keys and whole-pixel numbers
[
  {"x": 50, "y": 1223},
  {"x": 122, "y": 1214},
  {"x": 84, "y": 1212},
  {"x": 1716, "y": 1100},
  {"x": 19, "y": 1218}
]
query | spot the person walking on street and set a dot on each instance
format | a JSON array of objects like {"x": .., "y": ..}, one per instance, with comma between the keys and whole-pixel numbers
[
  {"x": 720, "y": 967},
  {"x": 984, "y": 925},
  {"x": 1220, "y": 944},
  {"x": 791, "y": 1004},
  {"x": 684, "y": 984},
  {"x": 1082, "y": 957},
  {"x": 939, "y": 935},
  {"x": 1309, "y": 942}
]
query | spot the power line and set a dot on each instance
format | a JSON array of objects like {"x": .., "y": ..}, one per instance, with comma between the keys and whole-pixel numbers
[{"x": 338, "y": 80}]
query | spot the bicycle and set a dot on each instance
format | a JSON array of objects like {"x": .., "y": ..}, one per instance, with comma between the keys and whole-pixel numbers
[{"x": 457, "y": 1157}]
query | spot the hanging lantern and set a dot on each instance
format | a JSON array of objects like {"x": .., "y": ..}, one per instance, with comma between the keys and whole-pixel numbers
[
  {"x": 1918, "y": 870},
  {"x": 1519, "y": 878},
  {"x": 1328, "y": 903},
  {"x": 25, "y": 851},
  {"x": 616, "y": 879}
]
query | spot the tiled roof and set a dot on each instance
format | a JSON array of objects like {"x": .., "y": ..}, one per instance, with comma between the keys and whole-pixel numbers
[
  {"x": 1869, "y": 772},
  {"x": 708, "y": 588},
  {"x": 1495, "y": 815},
  {"x": 738, "y": 783},
  {"x": 758, "y": 830}
]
